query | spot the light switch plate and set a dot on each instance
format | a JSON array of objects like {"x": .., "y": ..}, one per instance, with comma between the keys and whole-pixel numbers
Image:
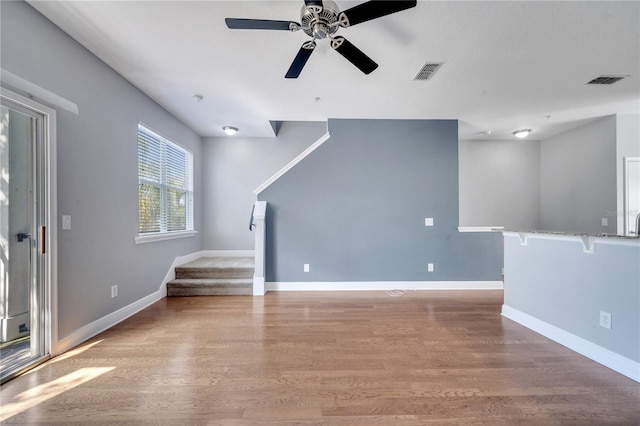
[
  {"x": 306, "y": 267},
  {"x": 430, "y": 267},
  {"x": 66, "y": 222},
  {"x": 428, "y": 221},
  {"x": 604, "y": 221}
]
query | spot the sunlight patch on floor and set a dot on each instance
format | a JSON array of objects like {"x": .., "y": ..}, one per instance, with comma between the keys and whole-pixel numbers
[{"x": 39, "y": 394}]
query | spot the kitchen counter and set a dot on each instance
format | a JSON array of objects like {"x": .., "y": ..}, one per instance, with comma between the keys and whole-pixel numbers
[{"x": 569, "y": 233}]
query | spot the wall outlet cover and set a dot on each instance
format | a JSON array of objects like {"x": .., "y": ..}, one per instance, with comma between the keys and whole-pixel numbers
[
  {"x": 306, "y": 267},
  {"x": 605, "y": 320},
  {"x": 428, "y": 221},
  {"x": 430, "y": 267}
]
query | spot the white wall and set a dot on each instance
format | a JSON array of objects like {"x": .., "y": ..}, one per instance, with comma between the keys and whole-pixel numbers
[
  {"x": 97, "y": 170},
  {"x": 627, "y": 145},
  {"x": 578, "y": 178},
  {"x": 235, "y": 166},
  {"x": 500, "y": 183}
]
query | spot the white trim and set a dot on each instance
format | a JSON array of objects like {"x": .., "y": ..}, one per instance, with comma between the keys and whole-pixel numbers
[
  {"x": 625, "y": 182},
  {"x": 227, "y": 253},
  {"x": 98, "y": 326},
  {"x": 480, "y": 228},
  {"x": 614, "y": 361},
  {"x": 384, "y": 285},
  {"x": 292, "y": 163},
  {"x": 258, "y": 286},
  {"x": 49, "y": 162},
  {"x": 152, "y": 238},
  {"x": 36, "y": 91}
]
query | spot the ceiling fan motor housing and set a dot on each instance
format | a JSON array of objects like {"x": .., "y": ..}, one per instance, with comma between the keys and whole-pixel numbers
[{"x": 317, "y": 21}]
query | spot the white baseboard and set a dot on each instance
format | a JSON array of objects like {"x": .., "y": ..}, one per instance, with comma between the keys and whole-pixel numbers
[
  {"x": 614, "y": 361},
  {"x": 98, "y": 326},
  {"x": 384, "y": 285},
  {"x": 227, "y": 253}
]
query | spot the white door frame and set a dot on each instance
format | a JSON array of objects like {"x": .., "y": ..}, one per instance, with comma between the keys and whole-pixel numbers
[
  {"x": 49, "y": 215},
  {"x": 629, "y": 216}
]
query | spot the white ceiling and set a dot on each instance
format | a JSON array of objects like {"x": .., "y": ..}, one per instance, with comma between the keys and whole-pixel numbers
[{"x": 507, "y": 65}]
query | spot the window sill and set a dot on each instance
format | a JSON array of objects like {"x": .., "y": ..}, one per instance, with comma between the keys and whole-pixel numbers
[{"x": 151, "y": 238}]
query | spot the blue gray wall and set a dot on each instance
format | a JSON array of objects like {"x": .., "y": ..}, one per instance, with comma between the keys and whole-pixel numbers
[
  {"x": 97, "y": 169},
  {"x": 355, "y": 209}
]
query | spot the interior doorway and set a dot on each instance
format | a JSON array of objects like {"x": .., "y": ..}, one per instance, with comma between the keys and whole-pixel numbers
[{"x": 28, "y": 305}]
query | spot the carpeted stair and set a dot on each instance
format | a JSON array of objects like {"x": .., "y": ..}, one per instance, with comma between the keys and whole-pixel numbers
[{"x": 214, "y": 276}]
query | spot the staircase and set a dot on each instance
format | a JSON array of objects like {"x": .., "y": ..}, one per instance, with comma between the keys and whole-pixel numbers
[{"x": 214, "y": 276}]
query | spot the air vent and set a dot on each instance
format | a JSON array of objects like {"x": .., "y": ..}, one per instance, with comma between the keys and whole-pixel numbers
[
  {"x": 428, "y": 70},
  {"x": 606, "y": 79}
]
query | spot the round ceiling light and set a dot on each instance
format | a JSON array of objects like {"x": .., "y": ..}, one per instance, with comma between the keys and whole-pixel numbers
[
  {"x": 522, "y": 133},
  {"x": 230, "y": 130}
]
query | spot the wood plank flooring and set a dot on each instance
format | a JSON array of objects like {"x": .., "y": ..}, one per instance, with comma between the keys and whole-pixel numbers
[{"x": 342, "y": 358}]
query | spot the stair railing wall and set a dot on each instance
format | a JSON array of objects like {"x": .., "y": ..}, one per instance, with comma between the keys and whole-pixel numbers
[{"x": 258, "y": 224}]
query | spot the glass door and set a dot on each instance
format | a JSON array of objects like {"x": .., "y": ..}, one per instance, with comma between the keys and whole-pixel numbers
[{"x": 22, "y": 295}]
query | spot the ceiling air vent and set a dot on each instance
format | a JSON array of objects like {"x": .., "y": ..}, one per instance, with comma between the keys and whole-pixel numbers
[
  {"x": 606, "y": 79},
  {"x": 428, "y": 70}
]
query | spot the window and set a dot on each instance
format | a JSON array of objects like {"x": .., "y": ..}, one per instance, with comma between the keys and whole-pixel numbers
[{"x": 165, "y": 185}]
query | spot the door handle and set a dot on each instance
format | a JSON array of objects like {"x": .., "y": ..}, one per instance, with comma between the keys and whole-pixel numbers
[{"x": 23, "y": 236}]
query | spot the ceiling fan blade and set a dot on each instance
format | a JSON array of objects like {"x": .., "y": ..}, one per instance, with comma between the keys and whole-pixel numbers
[
  {"x": 353, "y": 54},
  {"x": 371, "y": 10},
  {"x": 301, "y": 59},
  {"x": 313, "y": 3},
  {"x": 260, "y": 24}
]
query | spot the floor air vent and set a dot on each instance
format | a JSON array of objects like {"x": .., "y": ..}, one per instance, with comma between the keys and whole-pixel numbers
[
  {"x": 606, "y": 79},
  {"x": 428, "y": 70}
]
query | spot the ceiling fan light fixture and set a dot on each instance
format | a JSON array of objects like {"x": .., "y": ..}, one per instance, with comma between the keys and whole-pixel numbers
[
  {"x": 522, "y": 133},
  {"x": 229, "y": 130}
]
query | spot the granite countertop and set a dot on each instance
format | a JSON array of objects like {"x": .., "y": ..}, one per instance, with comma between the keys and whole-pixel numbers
[{"x": 571, "y": 234}]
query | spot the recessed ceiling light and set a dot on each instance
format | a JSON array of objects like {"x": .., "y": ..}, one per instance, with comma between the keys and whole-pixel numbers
[
  {"x": 230, "y": 130},
  {"x": 522, "y": 133}
]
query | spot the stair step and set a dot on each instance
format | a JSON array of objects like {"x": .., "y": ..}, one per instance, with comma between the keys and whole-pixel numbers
[
  {"x": 217, "y": 267},
  {"x": 210, "y": 287}
]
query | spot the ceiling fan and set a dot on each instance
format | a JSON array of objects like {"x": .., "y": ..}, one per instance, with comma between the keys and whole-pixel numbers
[{"x": 322, "y": 19}]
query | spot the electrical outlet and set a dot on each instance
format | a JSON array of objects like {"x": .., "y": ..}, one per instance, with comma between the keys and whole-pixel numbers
[
  {"x": 604, "y": 221},
  {"x": 114, "y": 291},
  {"x": 306, "y": 267},
  {"x": 430, "y": 267},
  {"x": 605, "y": 320},
  {"x": 428, "y": 221}
]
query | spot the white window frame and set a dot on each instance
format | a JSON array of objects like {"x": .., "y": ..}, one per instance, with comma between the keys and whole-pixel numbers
[{"x": 164, "y": 234}]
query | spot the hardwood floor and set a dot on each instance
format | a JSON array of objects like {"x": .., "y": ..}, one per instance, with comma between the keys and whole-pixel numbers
[{"x": 342, "y": 358}]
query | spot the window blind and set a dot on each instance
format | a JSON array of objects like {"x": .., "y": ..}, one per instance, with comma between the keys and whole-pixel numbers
[{"x": 165, "y": 184}]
